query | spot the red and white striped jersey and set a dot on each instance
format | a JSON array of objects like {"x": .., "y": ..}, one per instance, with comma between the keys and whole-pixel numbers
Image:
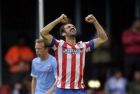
[{"x": 70, "y": 63}]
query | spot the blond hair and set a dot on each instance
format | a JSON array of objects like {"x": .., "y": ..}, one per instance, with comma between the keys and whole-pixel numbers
[{"x": 41, "y": 41}]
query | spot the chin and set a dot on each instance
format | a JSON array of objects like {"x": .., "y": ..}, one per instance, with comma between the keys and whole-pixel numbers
[{"x": 73, "y": 35}]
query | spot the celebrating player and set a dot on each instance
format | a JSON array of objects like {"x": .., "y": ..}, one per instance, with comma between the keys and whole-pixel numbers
[{"x": 71, "y": 55}]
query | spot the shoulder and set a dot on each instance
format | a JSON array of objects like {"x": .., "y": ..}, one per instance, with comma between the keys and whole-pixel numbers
[
  {"x": 111, "y": 79},
  {"x": 52, "y": 58},
  {"x": 81, "y": 44},
  {"x": 35, "y": 60},
  {"x": 60, "y": 42},
  {"x": 57, "y": 40}
]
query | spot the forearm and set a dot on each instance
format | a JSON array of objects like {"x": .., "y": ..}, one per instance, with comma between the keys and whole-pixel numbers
[
  {"x": 51, "y": 90},
  {"x": 100, "y": 31},
  {"x": 49, "y": 27},
  {"x": 53, "y": 86},
  {"x": 33, "y": 85}
]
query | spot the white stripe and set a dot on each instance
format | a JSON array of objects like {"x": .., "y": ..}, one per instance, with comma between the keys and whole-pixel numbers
[
  {"x": 77, "y": 74},
  {"x": 84, "y": 53},
  {"x": 54, "y": 47},
  {"x": 68, "y": 69},
  {"x": 83, "y": 45},
  {"x": 87, "y": 49},
  {"x": 60, "y": 64}
]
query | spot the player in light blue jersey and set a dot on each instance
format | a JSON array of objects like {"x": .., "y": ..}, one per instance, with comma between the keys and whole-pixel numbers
[{"x": 43, "y": 70}]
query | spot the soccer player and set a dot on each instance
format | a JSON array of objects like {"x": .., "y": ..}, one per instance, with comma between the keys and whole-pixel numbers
[
  {"x": 43, "y": 70},
  {"x": 70, "y": 55}
]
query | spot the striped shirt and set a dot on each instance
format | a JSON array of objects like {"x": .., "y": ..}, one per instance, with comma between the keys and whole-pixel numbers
[{"x": 70, "y": 62}]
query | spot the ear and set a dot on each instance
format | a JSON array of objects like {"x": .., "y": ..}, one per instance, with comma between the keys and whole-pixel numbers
[{"x": 63, "y": 34}]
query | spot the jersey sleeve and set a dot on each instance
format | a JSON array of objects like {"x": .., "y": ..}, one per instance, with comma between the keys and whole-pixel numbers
[
  {"x": 54, "y": 43},
  {"x": 89, "y": 45},
  {"x": 33, "y": 71}
]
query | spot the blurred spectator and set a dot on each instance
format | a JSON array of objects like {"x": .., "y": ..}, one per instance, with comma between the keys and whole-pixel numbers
[
  {"x": 5, "y": 89},
  {"x": 116, "y": 84},
  {"x": 18, "y": 58},
  {"x": 134, "y": 87},
  {"x": 17, "y": 88},
  {"x": 131, "y": 44}
]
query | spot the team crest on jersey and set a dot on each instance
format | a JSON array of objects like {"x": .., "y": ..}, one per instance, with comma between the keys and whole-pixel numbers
[{"x": 72, "y": 51}]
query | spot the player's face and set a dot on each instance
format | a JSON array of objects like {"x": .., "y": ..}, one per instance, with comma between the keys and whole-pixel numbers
[
  {"x": 118, "y": 75},
  {"x": 70, "y": 29},
  {"x": 40, "y": 49}
]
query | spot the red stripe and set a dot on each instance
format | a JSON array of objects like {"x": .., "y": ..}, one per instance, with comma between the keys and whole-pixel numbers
[
  {"x": 87, "y": 44},
  {"x": 56, "y": 43},
  {"x": 81, "y": 70},
  {"x": 64, "y": 59},
  {"x": 73, "y": 68},
  {"x": 56, "y": 56}
]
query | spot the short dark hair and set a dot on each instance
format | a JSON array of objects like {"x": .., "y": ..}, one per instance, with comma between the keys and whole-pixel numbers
[
  {"x": 40, "y": 40},
  {"x": 62, "y": 30}
]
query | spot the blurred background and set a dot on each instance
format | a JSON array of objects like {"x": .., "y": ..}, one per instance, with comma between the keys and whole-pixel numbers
[{"x": 114, "y": 68}]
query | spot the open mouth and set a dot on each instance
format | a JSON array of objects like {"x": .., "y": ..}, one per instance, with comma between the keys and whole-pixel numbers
[{"x": 72, "y": 30}]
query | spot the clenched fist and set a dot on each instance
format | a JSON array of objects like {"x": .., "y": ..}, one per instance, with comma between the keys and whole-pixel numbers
[
  {"x": 63, "y": 18},
  {"x": 90, "y": 19}
]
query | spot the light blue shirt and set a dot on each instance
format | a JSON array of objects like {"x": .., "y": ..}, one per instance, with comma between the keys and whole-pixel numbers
[
  {"x": 114, "y": 86},
  {"x": 44, "y": 72}
]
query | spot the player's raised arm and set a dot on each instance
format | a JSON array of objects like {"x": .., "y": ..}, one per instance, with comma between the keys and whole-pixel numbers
[
  {"x": 102, "y": 37},
  {"x": 45, "y": 31}
]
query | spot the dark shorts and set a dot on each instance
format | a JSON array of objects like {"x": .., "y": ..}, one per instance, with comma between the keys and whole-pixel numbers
[{"x": 69, "y": 91}]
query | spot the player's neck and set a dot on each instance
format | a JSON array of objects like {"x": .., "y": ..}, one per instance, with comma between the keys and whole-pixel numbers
[
  {"x": 71, "y": 40},
  {"x": 44, "y": 57}
]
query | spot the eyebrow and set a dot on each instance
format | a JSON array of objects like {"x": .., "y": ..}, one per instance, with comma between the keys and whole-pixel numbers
[{"x": 70, "y": 25}]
